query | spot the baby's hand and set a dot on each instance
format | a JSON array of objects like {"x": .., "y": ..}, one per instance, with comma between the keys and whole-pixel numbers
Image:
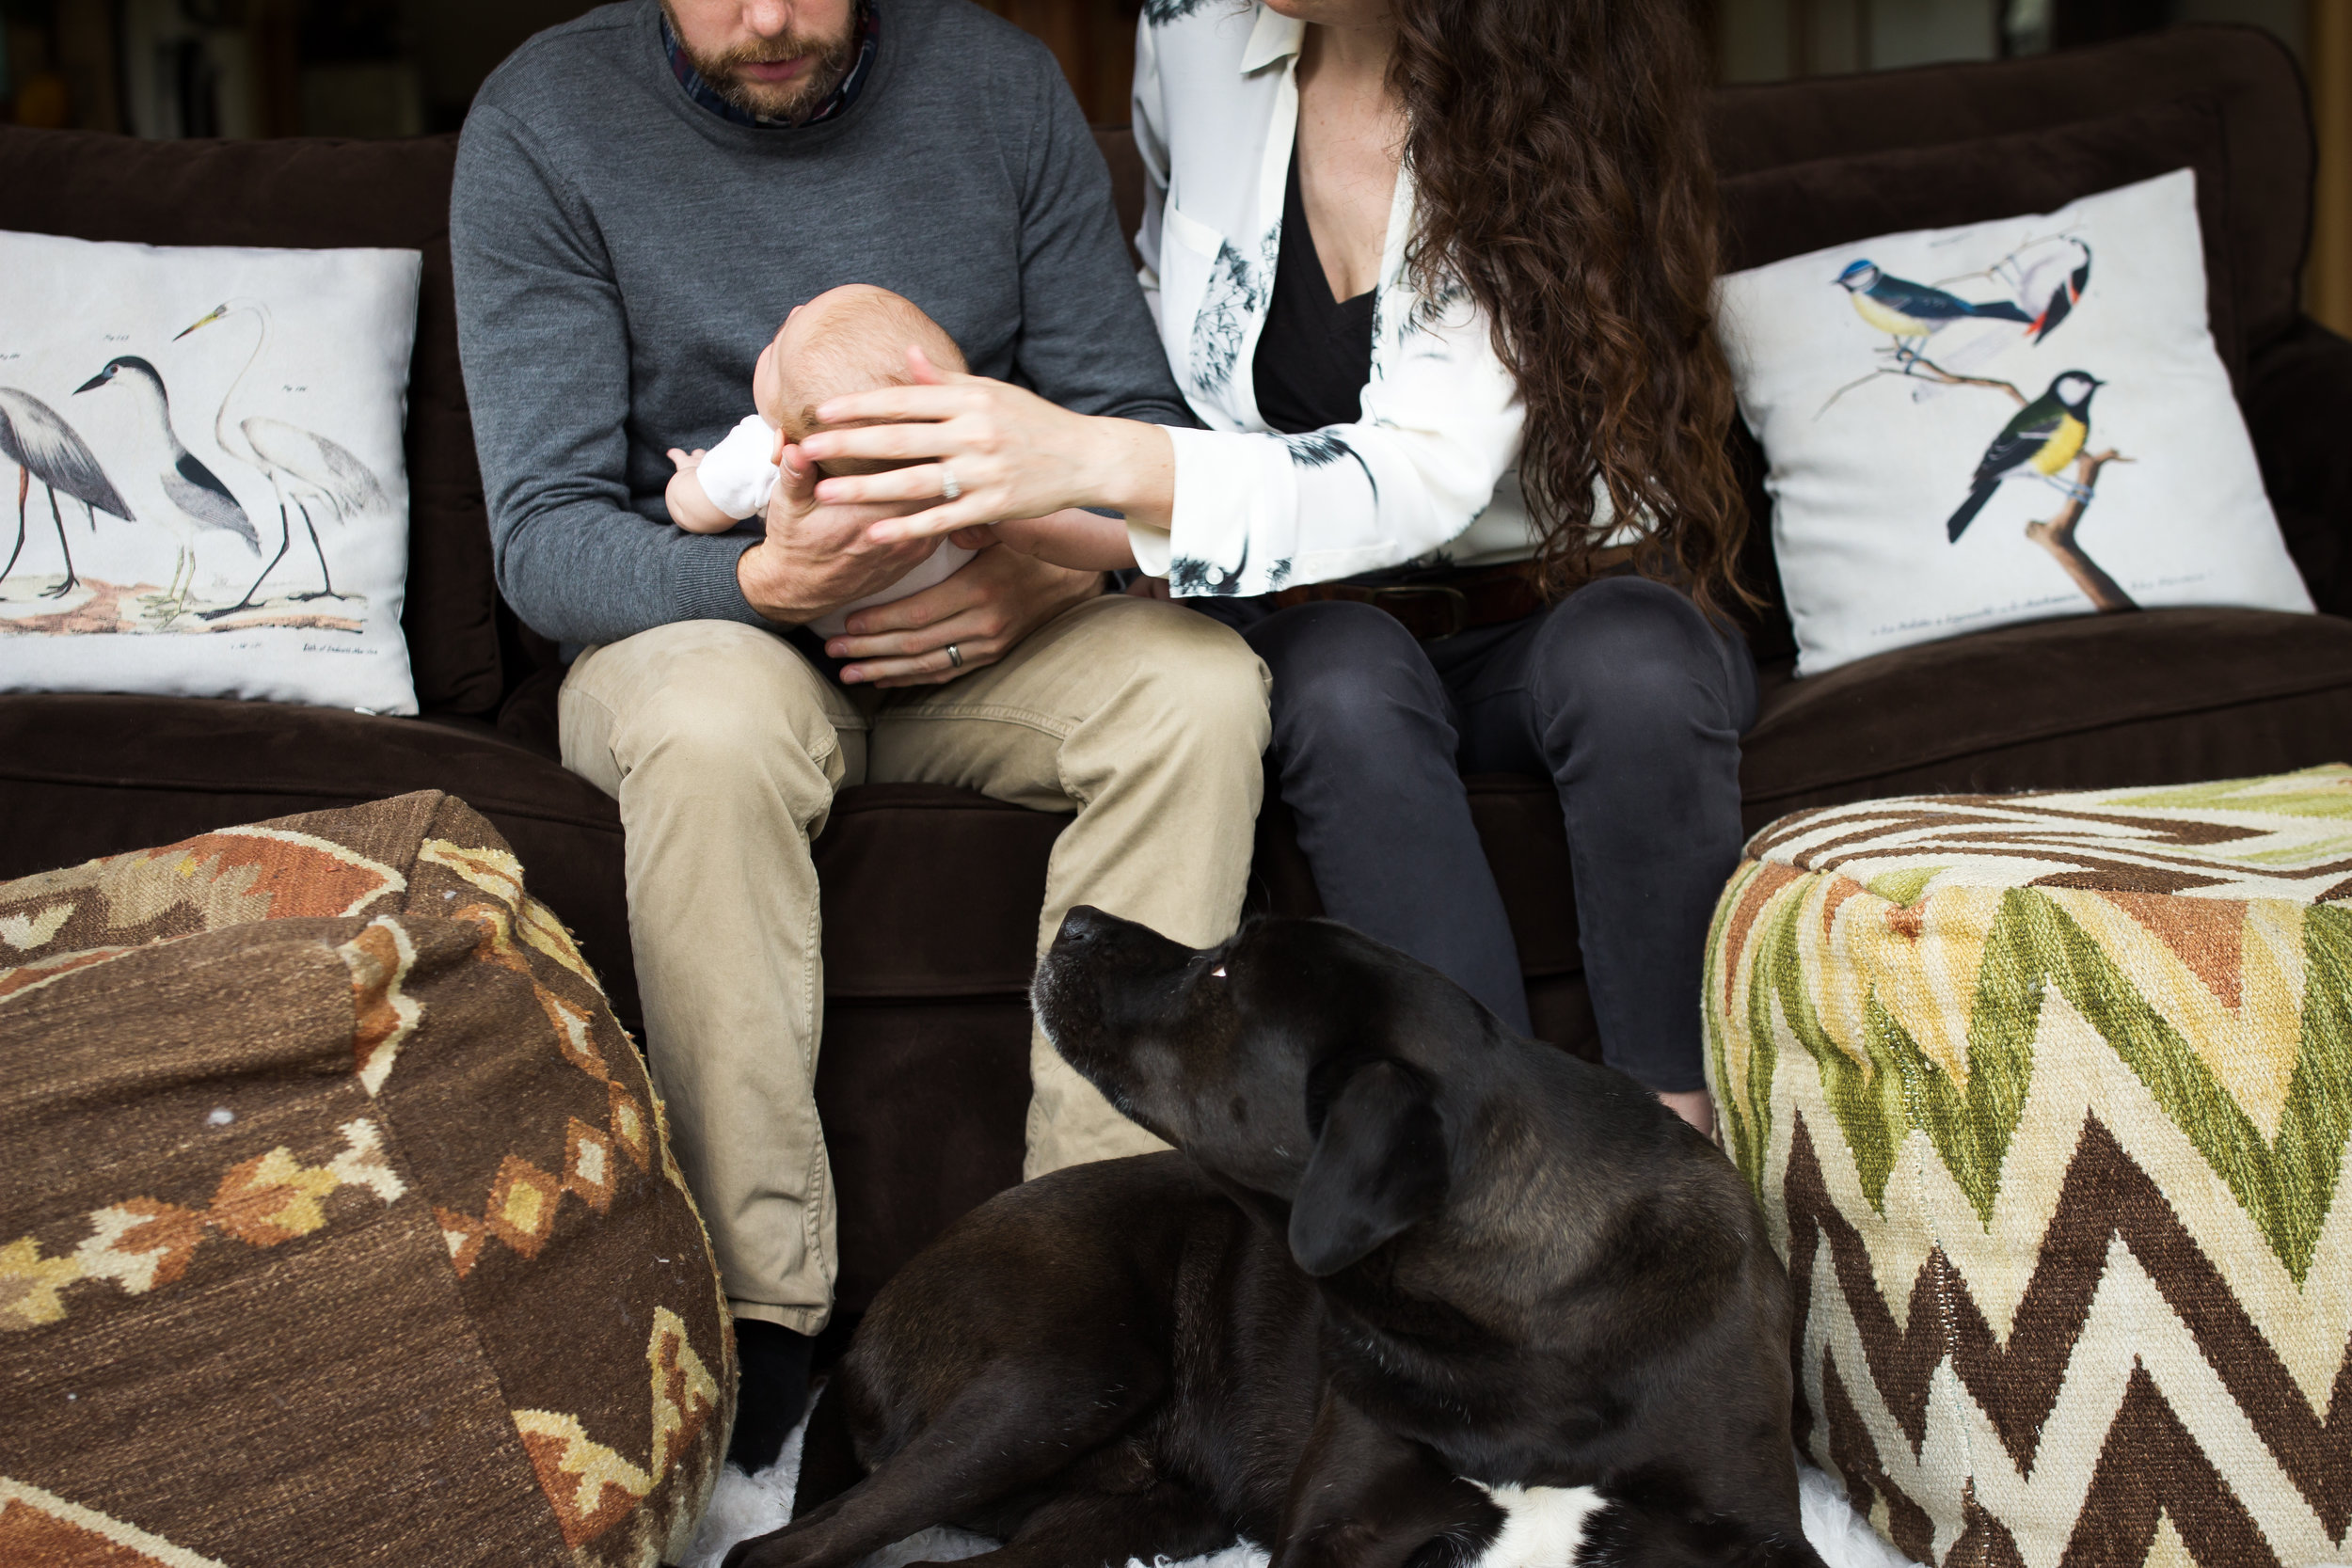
[
  {"x": 1079, "y": 540},
  {"x": 690, "y": 506},
  {"x": 1027, "y": 535}
]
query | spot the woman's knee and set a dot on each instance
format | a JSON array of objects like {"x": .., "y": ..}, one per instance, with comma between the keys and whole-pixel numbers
[
  {"x": 1344, "y": 673},
  {"x": 1639, "y": 652}
]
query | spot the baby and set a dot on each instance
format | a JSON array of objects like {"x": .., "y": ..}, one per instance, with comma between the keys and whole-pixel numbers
[{"x": 852, "y": 339}]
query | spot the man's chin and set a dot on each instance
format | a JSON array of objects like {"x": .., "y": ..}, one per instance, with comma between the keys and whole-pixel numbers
[{"x": 786, "y": 102}]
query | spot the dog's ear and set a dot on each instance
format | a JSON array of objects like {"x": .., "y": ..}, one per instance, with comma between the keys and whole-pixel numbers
[{"x": 1379, "y": 1166}]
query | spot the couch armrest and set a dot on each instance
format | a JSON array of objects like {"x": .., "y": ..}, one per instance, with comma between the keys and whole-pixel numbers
[{"x": 2298, "y": 404}]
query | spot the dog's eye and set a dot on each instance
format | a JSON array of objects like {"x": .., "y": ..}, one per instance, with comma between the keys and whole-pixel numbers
[{"x": 1217, "y": 973}]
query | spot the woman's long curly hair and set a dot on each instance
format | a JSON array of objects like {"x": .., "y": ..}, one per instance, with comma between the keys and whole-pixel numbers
[{"x": 1559, "y": 154}]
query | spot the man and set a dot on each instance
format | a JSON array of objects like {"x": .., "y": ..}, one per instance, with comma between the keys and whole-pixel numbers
[{"x": 642, "y": 196}]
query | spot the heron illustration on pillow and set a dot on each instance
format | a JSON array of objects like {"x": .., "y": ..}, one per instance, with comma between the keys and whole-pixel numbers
[{"x": 301, "y": 466}]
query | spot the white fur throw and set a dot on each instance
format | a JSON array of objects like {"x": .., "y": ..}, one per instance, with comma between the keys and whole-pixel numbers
[{"x": 753, "y": 1505}]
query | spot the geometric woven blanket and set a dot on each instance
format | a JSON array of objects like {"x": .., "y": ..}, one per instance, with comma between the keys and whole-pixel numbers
[{"x": 2046, "y": 1098}]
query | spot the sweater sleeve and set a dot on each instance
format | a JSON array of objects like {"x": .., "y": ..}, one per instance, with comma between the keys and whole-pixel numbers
[
  {"x": 545, "y": 348},
  {"x": 1087, "y": 339}
]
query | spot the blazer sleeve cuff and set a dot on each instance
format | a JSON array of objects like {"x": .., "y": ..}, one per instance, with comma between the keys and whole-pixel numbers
[
  {"x": 1153, "y": 548},
  {"x": 1236, "y": 500}
]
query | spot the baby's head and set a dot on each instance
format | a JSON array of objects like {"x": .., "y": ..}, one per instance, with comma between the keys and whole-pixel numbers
[{"x": 852, "y": 339}]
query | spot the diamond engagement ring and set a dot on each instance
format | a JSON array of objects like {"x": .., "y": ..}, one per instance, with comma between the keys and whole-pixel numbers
[
  {"x": 948, "y": 489},
  {"x": 955, "y": 657}
]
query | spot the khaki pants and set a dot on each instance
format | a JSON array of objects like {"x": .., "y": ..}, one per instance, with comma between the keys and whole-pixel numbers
[{"x": 723, "y": 746}]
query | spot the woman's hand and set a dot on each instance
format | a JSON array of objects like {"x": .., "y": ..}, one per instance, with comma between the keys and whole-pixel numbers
[
  {"x": 1012, "y": 454},
  {"x": 994, "y": 600},
  {"x": 818, "y": 556}
]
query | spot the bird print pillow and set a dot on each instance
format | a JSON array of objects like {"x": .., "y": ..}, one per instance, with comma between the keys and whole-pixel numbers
[
  {"x": 2006, "y": 421},
  {"x": 202, "y": 455}
]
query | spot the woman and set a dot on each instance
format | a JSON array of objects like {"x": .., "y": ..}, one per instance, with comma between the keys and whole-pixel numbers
[{"x": 1436, "y": 277}]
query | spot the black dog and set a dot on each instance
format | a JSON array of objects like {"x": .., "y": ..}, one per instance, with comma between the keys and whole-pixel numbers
[{"x": 1415, "y": 1290}]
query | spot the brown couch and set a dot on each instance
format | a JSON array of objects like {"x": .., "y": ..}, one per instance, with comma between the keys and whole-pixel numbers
[{"x": 931, "y": 894}]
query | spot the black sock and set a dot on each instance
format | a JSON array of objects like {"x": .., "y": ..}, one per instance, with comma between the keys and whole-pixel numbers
[{"x": 772, "y": 1393}]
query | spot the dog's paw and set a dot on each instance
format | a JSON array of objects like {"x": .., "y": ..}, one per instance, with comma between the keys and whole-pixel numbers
[{"x": 771, "y": 1550}]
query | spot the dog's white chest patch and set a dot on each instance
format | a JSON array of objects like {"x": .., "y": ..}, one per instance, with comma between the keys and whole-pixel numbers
[{"x": 1543, "y": 1527}]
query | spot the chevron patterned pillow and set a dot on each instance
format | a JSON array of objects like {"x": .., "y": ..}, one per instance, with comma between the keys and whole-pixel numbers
[
  {"x": 338, "y": 1224},
  {"x": 2047, "y": 1097}
]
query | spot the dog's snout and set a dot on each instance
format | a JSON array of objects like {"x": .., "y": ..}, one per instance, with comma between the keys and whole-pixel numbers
[{"x": 1083, "y": 924}]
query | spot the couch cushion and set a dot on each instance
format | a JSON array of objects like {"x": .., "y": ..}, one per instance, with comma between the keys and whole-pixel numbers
[
  {"x": 1823, "y": 161},
  {"x": 2251, "y": 77},
  {"x": 2241, "y": 75},
  {"x": 1795, "y": 209},
  {"x": 2298, "y": 402},
  {"x": 95, "y": 775},
  {"x": 311, "y": 194},
  {"x": 923, "y": 1104},
  {"x": 1868, "y": 454},
  {"x": 930, "y": 892},
  {"x": 2166, "y": 696}
]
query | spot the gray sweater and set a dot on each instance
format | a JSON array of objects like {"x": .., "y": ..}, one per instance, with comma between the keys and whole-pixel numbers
[{"x": 623, "y": 254}]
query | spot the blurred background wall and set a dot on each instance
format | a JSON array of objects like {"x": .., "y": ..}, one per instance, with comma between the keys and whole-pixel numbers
[
  {"x": 395, "y": 68},
  {"x": 363, "y": 67}
]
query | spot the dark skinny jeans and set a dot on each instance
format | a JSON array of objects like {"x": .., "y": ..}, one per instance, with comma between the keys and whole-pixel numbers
[{"x": 1622, "y": 693}]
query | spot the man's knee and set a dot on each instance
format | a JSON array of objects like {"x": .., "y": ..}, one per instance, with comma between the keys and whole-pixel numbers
[
  {"x": 712, "y": 701},
  {"x": 1344, "y": 673},
  {"x": 1200, "y": 676}
]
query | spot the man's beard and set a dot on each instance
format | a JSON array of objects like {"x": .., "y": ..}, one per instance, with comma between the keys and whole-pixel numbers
[{"x": 829, "y": 61}]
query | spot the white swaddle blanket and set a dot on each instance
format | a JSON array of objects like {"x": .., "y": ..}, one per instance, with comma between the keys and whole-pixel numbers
[{"x": 739, "y": 479}]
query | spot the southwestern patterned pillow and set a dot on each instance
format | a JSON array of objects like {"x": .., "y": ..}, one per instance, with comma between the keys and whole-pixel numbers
[
  {"x": 2048, "y": 1098},
  {"x": 337, "y": 1224}
]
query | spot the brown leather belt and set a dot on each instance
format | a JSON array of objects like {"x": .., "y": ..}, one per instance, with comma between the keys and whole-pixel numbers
[{"x": 1441, "y": 604}]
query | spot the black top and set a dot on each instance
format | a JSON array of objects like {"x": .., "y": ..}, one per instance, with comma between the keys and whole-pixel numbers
[{"x": 1315, "y": 354}]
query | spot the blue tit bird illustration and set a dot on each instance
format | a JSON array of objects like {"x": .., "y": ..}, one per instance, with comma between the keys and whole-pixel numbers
[
  {"x": 2065, "y": 295},
  {"x": 2047, "y": 435},
  {"x": 1910, "y": 313}
]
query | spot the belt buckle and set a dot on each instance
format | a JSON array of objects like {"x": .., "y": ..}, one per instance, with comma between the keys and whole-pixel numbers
[{"x": 1454, "y": 598}]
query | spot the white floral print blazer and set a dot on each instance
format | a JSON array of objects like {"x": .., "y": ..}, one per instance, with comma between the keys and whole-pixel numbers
[{"x": 1427, "y": 473}]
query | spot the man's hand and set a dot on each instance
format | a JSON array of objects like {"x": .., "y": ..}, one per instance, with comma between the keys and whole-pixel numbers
[
  {"x": 994, "y": 600},
  {"x": 815, "y": 556}
]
